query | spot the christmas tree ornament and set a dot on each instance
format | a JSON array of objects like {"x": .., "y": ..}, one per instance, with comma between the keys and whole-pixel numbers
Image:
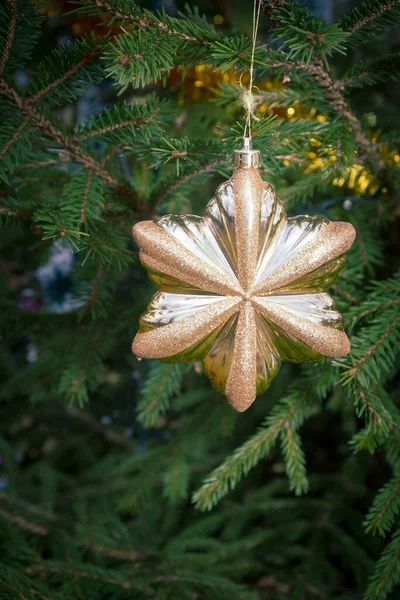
[{"x": 244, "y": 287}]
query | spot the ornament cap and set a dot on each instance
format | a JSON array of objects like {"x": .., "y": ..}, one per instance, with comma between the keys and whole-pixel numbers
[{"x": 247, "y": 158}]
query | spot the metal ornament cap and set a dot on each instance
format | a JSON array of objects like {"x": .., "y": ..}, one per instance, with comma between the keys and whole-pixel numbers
[
  {"x": 244, "y": 287},
  {"x": 247, "y": 158}
]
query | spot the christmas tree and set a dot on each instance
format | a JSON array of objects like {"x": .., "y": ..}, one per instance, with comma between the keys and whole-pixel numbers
[{"x": 122, "y": 478}]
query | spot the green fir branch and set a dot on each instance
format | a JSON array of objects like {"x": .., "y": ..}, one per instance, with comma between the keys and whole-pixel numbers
[
  {"x": 386, "y": 68},
  {"x": 54, "y": 132},
  {"x": 123, "y": 122},
  {"x": 54, "y": 78},
  {"x": 163, "y": 382},
  {"x": 386, "y": 506},
  {"x": 20, "y": 26},
  {"x": 288, "y": 415},
  {"x": 387, "y": 571},
  {"x": 294, "y": 460},
  {"x": 373, "y": 350},
  {"x": 304, "y": 35},
  {"x": 370, "y": 18}
]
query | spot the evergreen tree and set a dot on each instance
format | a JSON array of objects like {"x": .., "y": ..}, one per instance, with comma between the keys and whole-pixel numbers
[{"x": 109, "y": 465}]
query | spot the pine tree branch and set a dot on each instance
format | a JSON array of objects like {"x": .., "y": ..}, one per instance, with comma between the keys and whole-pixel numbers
[
  {"x": 42, "y": 569},
  {"x": 163, "y": 383},
  {"x": 111, "y": 435},
  {"x": 334, "y": 95},
  {"x": 43, "y": 123},
  {"x": 294, "y": 459},
  {"x": 46, "y": 163},
  {"x": 85, "y": 195},
  {"x": 333, "y": 91},
  {"x": 387, "y": 572},
  {"x": 142, "y": 21},
  {"x": 71, "y": 71},
  {"x": 37, "y": 593},
  {"x": 92, "y": 298},
  {"x": 374, "y": 347},
  {"x": 369, "y": 73},
  {"x": 24, "y": 523},
  {"x": 361, "y": 244},
  {"x": 382, "y": 513},
  {"x": 10, "y": 35},
  {"x": 26, "y": 506},
  {"x": 370, "y": 311},
  {"x": 14, "y": 138},
  {"x": 224, "y": 477},
  {"x": 11, "y": 212},
  {"x": 73, "y": 384},
  {"x": 374, "y": 414},
  {"x": 124, "y": 554},
  {"x": 49, "y": 178},
  {"x": 374, "y": 14},
  {"x": 344, "y": 294},
  {"x": 158, "y": 198},
  {"x": 94, "y": 491},
  {"x": 136, "y": 121},
  {"x": 114, "y": 150}
]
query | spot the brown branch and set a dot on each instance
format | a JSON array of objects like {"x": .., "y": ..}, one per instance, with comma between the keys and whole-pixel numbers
[
  {"x": 373, "y": 15},
  {"x": 73, "y": 69},
  {"x": 95, "y": 283},
  {"x": 111, "y": 153},
  {"x": 22, "y": 596},
  {"x": 128, "y": 554},
  {"x": 23, "y": 523},
  {"x": 344, "y": 294},
  {"x": 111, "y": 435},
  {"x": 77, "y": 382},
  {"x": 136, "y": 121},
  {"x": 157, "y": 198},
  {"x": 345, "y": 82},
  {"x": 374, "y": 347},
  {"x": 143, "y": 21},
  {"x": 10, "y": 36},
  {"x": 364, "y": 255},
  {"x": 387, "y": 571},
  {"x": 375, "y": 416},
  {"x": 33, "y": 179},
  {"x": 42, "y": 569},
  {"x": 86, "y": 195},
  {"x": 46, "y": 163},
  {"x": 370, "y": 311},
  {"x": 11, "y": 212},
  {"x": 94, "y": 491},
  {"x": 14, "y": 137},
  {"x": 386, "y": 504},
  {"x": 80, "y": 155},
  {"x": 334, "y": 95},
  {"x": 26, "y": 506}
]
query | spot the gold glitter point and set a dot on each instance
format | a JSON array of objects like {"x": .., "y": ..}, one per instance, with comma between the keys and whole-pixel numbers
[
  {"x": 241, "y": 385},
  {"x": 166, "y": 341}
]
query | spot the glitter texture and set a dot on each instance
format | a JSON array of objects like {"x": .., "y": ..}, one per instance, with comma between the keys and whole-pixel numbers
[{"x": 242, "y": 288}]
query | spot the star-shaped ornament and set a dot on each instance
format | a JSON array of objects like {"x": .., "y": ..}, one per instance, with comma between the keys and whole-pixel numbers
[{"x": 243, "y": 287}]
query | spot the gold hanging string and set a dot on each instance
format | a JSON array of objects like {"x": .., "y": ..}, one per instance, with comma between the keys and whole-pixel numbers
[{"x": 248, "y": 97}]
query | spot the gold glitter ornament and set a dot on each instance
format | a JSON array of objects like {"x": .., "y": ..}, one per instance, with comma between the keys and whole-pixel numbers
[{"x": 243, "y": 287}]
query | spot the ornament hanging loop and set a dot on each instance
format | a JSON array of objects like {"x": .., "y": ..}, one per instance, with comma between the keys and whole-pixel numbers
[{"x": 248, "y": 99}]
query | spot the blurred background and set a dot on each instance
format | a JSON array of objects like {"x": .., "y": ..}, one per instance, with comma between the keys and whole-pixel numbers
[{"x": 63, "y": 455}]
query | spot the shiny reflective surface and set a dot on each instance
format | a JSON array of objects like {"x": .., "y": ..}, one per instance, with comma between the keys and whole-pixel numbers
[{"x": 242, "y": 288}]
